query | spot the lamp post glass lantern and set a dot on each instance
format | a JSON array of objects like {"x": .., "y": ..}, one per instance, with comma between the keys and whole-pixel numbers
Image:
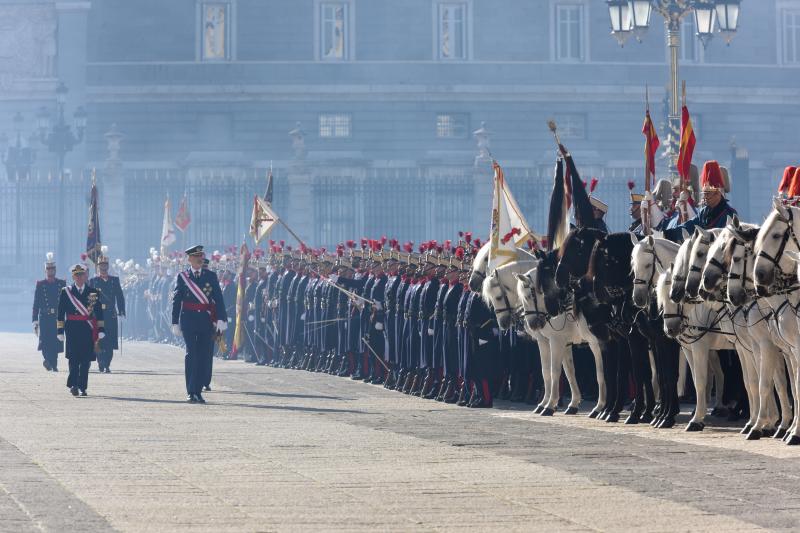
[{"x": 709, "y": 14}]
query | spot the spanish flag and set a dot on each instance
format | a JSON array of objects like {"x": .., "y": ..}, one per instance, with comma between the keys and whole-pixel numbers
[
  {"x": 651, "y": 144},
  {"x": 688, "y": 141}
]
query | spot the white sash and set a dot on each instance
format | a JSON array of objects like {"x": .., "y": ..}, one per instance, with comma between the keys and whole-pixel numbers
[
  {"x": 199, "y": 294},
  {"x": 77, "y": 303}
]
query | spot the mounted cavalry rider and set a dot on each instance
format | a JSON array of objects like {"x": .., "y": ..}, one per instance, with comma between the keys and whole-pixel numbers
[{"x": 716, "y": 210}]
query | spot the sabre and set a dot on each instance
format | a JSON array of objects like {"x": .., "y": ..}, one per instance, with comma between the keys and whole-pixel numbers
[{"x": 378, "y": 357}]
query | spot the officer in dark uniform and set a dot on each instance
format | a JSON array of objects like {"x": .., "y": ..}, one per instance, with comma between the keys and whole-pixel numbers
[
  {"x": 198, "y": 309},
  {"x": 80, "y": 318},
  {"x": 113, "y": 304},
  {"x": 45, "y": 304}
]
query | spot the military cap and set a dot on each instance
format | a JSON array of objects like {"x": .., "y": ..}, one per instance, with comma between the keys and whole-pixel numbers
[
  {"x": 194, "y": 250},
  {"x": 78, "y": 268},
  {"x": 50, "y": 260}
]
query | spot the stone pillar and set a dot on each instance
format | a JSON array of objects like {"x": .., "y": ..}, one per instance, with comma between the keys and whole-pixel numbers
[
  {"x": 300, "y": 212},
  {"x": 112, "y": 201},
  {"x": 482, "y": 182}
]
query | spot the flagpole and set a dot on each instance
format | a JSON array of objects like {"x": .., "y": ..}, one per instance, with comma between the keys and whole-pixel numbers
[{"x": 292, "y": 233}]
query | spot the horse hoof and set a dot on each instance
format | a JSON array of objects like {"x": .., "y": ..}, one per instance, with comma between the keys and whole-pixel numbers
[
  {"x": 695, "y": 426},
  {"x": 646, "y": 418},
  {"x": 632, "y": 419},
  {"x": 667, "y": 423},
  {"x": 746, "y": 429},
  {"x": 656, "y": 422},
  {"x": 794, "y": 440},
  {"x": 571, "y": 411},
  {"x": 538, "y": 409},
  {"x": 612, "y": 417},
  {"x": 754, "y": 434},
  {"x": 780, "y": 433},
  {"x": 593, "y": 414},
  {"x": 767, "y": 432},
  {"x": 547, "y": 412},
  {"x": 719, "y": 411}
]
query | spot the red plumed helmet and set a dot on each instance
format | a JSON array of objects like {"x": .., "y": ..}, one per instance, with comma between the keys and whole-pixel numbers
[
  {"x": 340, "y": 252},
  {"x": 711, "y": 178},
  {"x": 289, "y": 248},
  {"x": 283, "y": 243},
  {"x": 794, "y": 188},
  {"x": 786, "y": 181},
  {"x": 271, "y": 242},
  {"x": 363, "y": 243},
  {"x": 593, "y": 184},
  {"x": 440, "y": 249},
  {"x": 460, "y": 253},
  {"x": 383, "y": 239},
  {"x": 448, "y": 243},
  {"x": 478, "y": 243},
  {"x": 468, "y": 236},
  {"x": 351, "y": 244}
]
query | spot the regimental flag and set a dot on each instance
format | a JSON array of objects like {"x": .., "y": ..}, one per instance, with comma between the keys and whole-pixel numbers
[
  {"x": 183, "y": 218},
  {"x": 509, "y": 228},
  {"x": 238, "y": 332},
  {"x": 268, "y": 194},
  {"x": 93, "y": 242},
  {"x": 651, "y": 144},
  {"x": 263, "y": 219},
  {"x": 688, "y": 141},
  {"x": 167, "y": 230}
]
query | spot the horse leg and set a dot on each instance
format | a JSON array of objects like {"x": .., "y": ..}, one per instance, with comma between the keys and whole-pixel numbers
[
  {"x": 763, "y": 403},
  {"x": 601, "y": 382},
  {"x": 700, "y": 364},
  {"x": 669, "y": 351},
  {"x": 575, "y": 391},
  {"x": 656, "y": 377},
  {"x": 683, "y": 370},
  {"x": 750, "y": 360},
  {"x": 546, "y": 359},
  {"x": 556, "y": 354},
  {"x": 715, "y": 368},
  {"x": 640, "y": 364},
  {"x": 782, "y": 388}
]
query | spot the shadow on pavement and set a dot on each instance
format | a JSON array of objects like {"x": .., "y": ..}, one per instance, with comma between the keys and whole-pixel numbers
[
  {"x": 211, "y": 402},
  {"x": 281, "y": 395}
]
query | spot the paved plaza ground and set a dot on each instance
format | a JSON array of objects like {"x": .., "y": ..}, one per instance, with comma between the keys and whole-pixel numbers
[{"x": 286, "y": 450}]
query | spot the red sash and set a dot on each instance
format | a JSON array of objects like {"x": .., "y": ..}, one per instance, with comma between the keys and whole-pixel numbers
[
  {"x": 83, "y": 314},
  {"x": 204, "y": 305}
]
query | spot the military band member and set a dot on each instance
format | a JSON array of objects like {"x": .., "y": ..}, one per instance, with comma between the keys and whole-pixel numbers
[
  {"x": 198, "y": 310},
  {"x": 80, "y": 319},
  {"x": 112, "y": 302},
  {"x": 45, "y": 304}
]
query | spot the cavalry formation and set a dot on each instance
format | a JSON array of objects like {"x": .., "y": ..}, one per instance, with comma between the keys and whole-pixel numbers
[{"x": 734, "y": 288}]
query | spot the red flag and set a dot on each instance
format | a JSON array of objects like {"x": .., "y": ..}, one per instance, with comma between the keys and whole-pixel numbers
[
  {"x": 650, "y": 148},
  {"x": 688, "y": 140},
  {"x": 183, "y": 219}
]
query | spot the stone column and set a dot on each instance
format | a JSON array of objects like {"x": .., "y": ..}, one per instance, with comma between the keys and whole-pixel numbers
[
  {"x": 112, "y": 201},
  {"x": 299, "y": 214},
  {"x": 482, "y": 184}
]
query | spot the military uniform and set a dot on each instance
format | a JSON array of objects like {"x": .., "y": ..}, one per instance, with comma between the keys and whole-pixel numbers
[
  {"x": 45, "y": 306},
  {"x": 80, "y": 318},
  {"x": 197, "y": 308},
  {"x": 112, "y": 301}
]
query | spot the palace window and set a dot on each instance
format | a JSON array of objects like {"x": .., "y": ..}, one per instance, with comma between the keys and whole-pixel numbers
[
  {"x": 334, "y": 31},
  {"x": 452, "y": 35},
  {"x": 790, "y": 36},
  {"x": 335, "y": 125},
  {"x": 452, "y": 125},
  {"x": 569, "y": 32},
  {"x": 215, "y": 31}
]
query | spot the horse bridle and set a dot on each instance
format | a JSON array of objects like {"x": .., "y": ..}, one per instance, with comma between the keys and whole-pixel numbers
[
  {"x": 505, "y": 297},
  {"x": 656, "y": 259},
  {"x": 784, "y": 240}
]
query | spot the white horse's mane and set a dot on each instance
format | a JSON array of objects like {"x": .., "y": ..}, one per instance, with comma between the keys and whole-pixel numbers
[
  {"x": 636, "y": 256},
  {"x": 662, "y": 289}
]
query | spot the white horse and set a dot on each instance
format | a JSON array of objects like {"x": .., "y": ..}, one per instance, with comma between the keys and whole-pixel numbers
[
  {"x": 701, "y": 328},
  {"x": 557, "y": 328},
  {"x": 774, "y": 274},
  {"x": 762, "y": 363},
  {"x": 732, "y": 253}
]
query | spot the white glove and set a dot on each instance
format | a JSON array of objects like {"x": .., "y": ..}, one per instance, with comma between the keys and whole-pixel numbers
[
  {"x": 481, "y": 342},
  {"x": 684, "y": 196},
  {"x": 250, "y": 318},
  {"x": 221, "y": 325},
  {"x": 378, "y": 306},
  {"x": 36, "y": 327},
  {"x": 230, "y": 319},
  {"x": 60, "y": 337},
  {"x": 648, "y": 196},
  {"x": 430, "y": 332},
  {"x": 303, "y": 316},
  {"x": 176, "y": 330},
  {"x": 334, "y": 278},
  {"x": 379, "y": 326},
  {"x": 101, "y": 335}
]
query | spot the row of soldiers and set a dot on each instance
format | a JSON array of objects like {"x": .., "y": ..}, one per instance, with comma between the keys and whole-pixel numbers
[{"x": 382, "y": 313}]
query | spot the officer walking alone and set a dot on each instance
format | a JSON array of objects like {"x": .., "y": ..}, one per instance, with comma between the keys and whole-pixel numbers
[
  {"x": 80, "y": 318},
  {"x": 198, "y": 310}
]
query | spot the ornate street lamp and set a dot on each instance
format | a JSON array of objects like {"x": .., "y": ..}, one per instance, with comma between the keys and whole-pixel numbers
[
  {"x": 60, "y": 139},
  {"x": 723, "y": 14},
  {"x": 620, "y": 13}
]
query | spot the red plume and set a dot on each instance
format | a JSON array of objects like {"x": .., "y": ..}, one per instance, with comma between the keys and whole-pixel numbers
[
  {"x": 478, "y": 243},
  {"x": 460, "y": 253},
  {"x": 468, "y": 236},
  {"x": 631, "y": 185},
  {"x": 593, "y": 185}
]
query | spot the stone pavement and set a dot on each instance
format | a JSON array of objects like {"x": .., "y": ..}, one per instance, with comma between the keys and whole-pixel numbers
[{"x": 284, "y": 450}]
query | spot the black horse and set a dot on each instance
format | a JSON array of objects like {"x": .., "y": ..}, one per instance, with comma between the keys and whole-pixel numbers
[
  {"x": 613, "y": 284},
  {"x": 573, "y": 266}
]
